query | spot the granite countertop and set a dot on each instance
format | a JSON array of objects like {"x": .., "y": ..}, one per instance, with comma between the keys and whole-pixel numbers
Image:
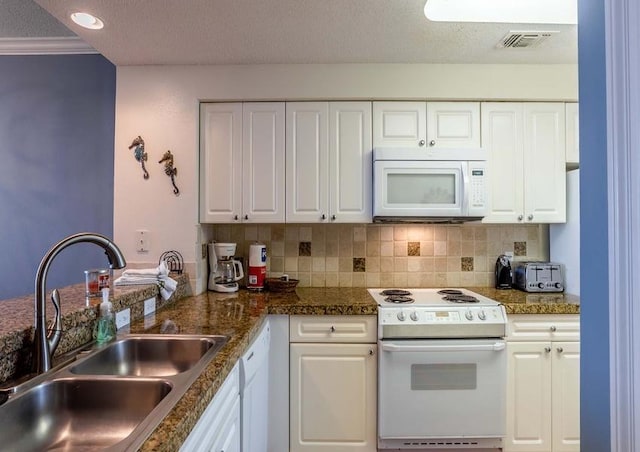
[{"x": 238, "y": 315}]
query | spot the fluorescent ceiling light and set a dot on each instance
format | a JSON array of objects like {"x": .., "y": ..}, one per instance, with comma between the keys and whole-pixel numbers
[
  {"x": 503, "y": 11},
  {"x": 87, "y": 20}
]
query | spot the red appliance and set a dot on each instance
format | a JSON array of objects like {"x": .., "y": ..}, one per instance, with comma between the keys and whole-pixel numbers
[{"x": 257, "y": 266}]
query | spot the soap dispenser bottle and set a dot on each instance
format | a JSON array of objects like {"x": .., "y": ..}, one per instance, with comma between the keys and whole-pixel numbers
[{"x": 105, "y": 328}]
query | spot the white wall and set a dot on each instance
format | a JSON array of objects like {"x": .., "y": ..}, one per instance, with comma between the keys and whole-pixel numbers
[{"x": 160, "y": 103}]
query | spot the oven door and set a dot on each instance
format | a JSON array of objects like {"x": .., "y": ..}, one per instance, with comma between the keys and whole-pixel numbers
[{"x": 442, "y": 388}]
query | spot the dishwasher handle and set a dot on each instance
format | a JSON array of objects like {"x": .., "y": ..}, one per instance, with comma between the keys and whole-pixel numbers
[{"x": 497, "y": 346}]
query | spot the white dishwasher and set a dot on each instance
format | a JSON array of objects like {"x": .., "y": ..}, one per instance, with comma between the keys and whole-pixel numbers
[{"x": 254, "y": 392}]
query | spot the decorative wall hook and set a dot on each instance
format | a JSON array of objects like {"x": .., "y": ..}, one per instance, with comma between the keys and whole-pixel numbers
[
  {"x": 140, "y": 154},
  {"x": 169, "y": 170}
]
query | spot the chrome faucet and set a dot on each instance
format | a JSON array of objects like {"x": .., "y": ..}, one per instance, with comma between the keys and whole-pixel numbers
[{"x": 45, "y": 342}]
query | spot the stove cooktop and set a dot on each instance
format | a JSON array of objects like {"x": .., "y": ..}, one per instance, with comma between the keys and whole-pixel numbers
[{"x": 448, "y": 297}]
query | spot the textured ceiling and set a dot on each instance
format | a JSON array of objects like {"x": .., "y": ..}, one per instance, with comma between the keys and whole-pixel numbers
[
  {"x": 26, "y": 19},
  {"x": 296, "y": 31}
]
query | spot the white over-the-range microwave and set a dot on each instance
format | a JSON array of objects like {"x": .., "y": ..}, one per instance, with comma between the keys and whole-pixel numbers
[{"x": 429, "y": 185}]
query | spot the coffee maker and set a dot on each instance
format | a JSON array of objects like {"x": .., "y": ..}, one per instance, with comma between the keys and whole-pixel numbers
[{"x": 225, "y": 271}]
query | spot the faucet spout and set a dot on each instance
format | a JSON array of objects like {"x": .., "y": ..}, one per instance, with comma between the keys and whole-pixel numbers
[{"x": 45, "y": 342}]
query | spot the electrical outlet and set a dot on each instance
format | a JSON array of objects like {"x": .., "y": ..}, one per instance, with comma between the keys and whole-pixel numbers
[
  {"x": 149, "y": 306},
  {"x": 123, "y": 318},
  {"x": 142, "y": 241}
]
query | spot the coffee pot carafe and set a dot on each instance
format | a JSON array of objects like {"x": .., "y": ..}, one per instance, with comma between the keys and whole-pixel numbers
[{"x": 225, "y": 270}]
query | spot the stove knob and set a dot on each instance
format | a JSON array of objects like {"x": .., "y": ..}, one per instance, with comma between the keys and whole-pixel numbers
[
  {"x": 558, "y": 285},
  {"x": 414, "y": 316},
  {"x": 469, "y": 315},
  {"x": 482, "y": 315},
  {"x": 541, "y": 285},
  {"x": 401, "y": 316}
]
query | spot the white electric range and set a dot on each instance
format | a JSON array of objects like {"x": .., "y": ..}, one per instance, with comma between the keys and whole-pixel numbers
[{"x": 442, "y": 370}]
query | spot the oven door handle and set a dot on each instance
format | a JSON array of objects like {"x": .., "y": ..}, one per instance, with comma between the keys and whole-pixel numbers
[{"x": 497, "y": 346}]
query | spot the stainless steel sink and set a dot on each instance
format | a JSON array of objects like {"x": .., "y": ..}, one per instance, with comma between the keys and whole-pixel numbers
[
  {"x": 111, "y": 398},
  {"x": 78, "y": 414},
  {"x": 156, "y": 355}
]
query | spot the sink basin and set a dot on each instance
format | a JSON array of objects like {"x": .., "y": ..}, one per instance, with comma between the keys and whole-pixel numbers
[
  {"x": 78, "y": 414},
  {"x": 150, "y": 355}
]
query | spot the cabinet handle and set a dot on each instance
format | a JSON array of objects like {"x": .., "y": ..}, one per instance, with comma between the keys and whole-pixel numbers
[
  {"x": 370, "y": 352},
  {"x": 235, "y": 217},
  {"x": 246, "y": 217},
  {"x": 332, "y": 329},
  {"x": 530, "y": 217},
  {"x": 421, "y": 143},
  {"x": 333, "y": 217},
  {"x": 560, "y": 349},
  {"x": 547, "y": 349},
  {"x": 520, "y": 217},
  {"x": 553, "y": 328},
  {"x": 324, "y": 217},
  {"x": 432, "y": 143}
]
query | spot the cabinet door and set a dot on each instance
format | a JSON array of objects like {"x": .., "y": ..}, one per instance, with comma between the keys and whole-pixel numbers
[
  {"x": 453, "y": 124},
  {"x": 307, "y": 177},
  {"x": 502, "y": 137},
  {"x": 228, "y": 440},
  {"x": 350, "y": 162},
  {"x": 573, "y": 134},
  {"x": 220, "y": 162},
  {"x": 399, "y": 124},
  {"x": 263, "y": 162},
  {"x": 333, "y": 397},
  {"x": 529, "y": 397},
  {"x": 566, "y": 396},
  {"x": 545, "y": 194}
]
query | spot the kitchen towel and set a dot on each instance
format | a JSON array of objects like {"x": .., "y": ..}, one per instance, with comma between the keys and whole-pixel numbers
[{"x": 158, "y": 275}]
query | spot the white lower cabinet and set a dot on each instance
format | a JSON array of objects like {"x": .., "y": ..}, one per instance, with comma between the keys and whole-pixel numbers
[
  {"x": 333, "y": 385},
  {"x": 543, "y": 384},
  {"x": 219, "y": 426}
]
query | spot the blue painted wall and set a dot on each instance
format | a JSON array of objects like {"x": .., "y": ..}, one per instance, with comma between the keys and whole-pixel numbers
[
  {"x": 594, "y": 300},
  {"x": 57, "y": 121}
]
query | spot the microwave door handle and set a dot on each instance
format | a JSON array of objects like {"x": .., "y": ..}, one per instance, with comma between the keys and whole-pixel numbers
[
  {"x": 465, "y": 188},
  {"x": 497, "y": 346}
]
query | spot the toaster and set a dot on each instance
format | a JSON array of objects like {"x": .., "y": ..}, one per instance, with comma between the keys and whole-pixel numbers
[{"x": 536, "y": 276}]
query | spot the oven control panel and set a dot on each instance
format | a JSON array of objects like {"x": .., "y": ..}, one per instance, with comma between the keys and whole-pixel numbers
[{"x": 434, "y": 316}]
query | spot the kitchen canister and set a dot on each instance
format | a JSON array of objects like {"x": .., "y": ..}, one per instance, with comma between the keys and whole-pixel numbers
[
  {"x": 257, "y": 266},
  {"x": 95, "y": 281}
]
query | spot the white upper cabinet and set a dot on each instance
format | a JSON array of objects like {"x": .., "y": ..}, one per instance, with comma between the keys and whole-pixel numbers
[
  {"x": 573, "y": 134},
  {"x": 399, "y": 124},
  {"x": 242, "y": 162},
  {"x": 220, "y": 162},
  {"x": 545, "y": 189},
  {"x": 307, "y": 172},
  {"x": 526, "y": 145},
  {"x": 453, "y": 124},
  {"x": 426, "y": 124},
  {"x": 328, "y": 162},
  {"x": 350, "y": 162},
  {"x": 263, "y": 162}
]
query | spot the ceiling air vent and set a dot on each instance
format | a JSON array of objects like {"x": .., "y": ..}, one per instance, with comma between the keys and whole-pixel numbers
[{"x": 524, "y": 39}]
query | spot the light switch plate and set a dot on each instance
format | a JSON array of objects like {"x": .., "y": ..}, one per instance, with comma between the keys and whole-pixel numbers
[
  {"x": 123, "y": 318},
  {"x": 142, "y": 241}
]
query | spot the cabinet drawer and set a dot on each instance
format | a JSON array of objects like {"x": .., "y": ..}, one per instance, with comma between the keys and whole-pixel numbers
[
  {"x": 544, "y": 327},
  {"x": 332, "y": 328}
]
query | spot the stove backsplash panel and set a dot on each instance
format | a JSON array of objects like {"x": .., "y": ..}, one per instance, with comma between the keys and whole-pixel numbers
[{"x": 373, "y": 255}]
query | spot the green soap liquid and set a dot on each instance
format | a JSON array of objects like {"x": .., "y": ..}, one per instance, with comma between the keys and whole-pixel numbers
[{"x": 105, "y": 330}]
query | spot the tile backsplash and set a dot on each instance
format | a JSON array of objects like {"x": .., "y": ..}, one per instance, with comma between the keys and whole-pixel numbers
[{"x": 373, "y": 255}]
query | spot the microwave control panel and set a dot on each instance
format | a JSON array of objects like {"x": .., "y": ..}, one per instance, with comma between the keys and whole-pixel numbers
[{"x": 477, "y": 187}]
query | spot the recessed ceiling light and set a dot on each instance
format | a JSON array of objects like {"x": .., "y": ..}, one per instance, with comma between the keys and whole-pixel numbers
[
  {"x": 503, "y": 11},
  {"x": 87, "y": 20}
]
